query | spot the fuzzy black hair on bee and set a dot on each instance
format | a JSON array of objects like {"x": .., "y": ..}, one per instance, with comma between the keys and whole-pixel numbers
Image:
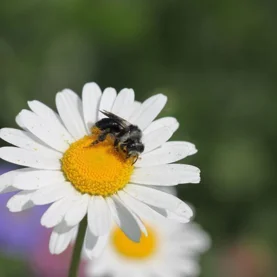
[{"x": 127, "y": 137}]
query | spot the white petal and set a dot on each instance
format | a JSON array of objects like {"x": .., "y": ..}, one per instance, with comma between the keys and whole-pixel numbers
[
  {"x": 19, "y": 122},
  {"x": 94, "y": 245},
  {"x": 61, "y": 238},
  {"x": 123, "y": 103},
  {"x": 156, "y": 138},
  {"x": 107, "y": 101},
  {"x": 36, "y": 179},
  {"x": 21, "y": 201},
  {"x": 159, "y": 199},
  {"x": 77, "y": 210},
  {"x": 170, "y": 215},
  {"x": 52, "y": 193},
  {"x": 54, "y": 136},
  {"x": 177, "y": 217},
  {"x": 169, "y": 152},
  {"x": 7, "y": 180},
  {"x": 144, "y": 211},
  {"x": 52, "y": 118},
  {"x": 142, "y": 228},
  {"x": 190, "y": 268},
  {"x": 149, "y": 110},
  {"x": 74, "y": 236},
  {"x": 134, "y": 110},
  {"x": 169, "y": 122},
  {"x": 27, "y": 141},
  {"x": 70, "y": 109},
  {"x": 197, "y": 239},
  {"x": 28, "y": 158},
  {"x": 99, "y": 216},
  {"x": 56, "y": 212},
  {"x": 44, "y": 111},
  {"x": 141, "y": 224},
  {"x": 91, "y": 99},
  {"x": 124, "y": 218},
  {"x": 166, "y": 175}
]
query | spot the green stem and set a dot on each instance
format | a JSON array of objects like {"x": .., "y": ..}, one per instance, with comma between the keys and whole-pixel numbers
[{"x": 77, "y": 251}]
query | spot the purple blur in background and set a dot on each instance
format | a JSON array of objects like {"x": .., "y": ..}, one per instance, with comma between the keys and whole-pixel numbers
[
  {"x": 23, "y": 238},
  {"x": 20, "y": 233}
]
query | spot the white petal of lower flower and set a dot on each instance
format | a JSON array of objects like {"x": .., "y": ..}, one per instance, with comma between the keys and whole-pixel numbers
[
  {"x": 164, "y": 272},
  {"x": 26, "y": 141},
  {"x": 91, "y": 96},
  {"x": 168, "y": 257},
  {"x": 188, "y": 266},
  {"x": 159, "y": 199},
  {"x": 28, "y": 158},
  {"x": 7, "y": 180},
  {"x": 94, "y": 245},
  {"x": 77, "y": 210},
  {"x": 56, "y": 212},
  {"x": 139, "y": 208},
  {"x": 166, "y": 175},
  {"x": 155, "y": 139},
  {"x": 124, "y": 218},
  {"x": 123, "y": 103},
  {"x": 169, "y": 122},
  {"x": 21, "y": 201},
  {"x": 36, "y": 179},
  {"x": 54, "y": 136},
  {"x": 52, "y": 193},
  {"x": 107, "y": 101},
  {"x": 149, "y": 110},
  {"x": 60, "y": 238},
  {"x": 196, "y": 239},
  {"x": 99, "y": 216},
  {"x": 169, "y": 152},
  {"x": 70, "y": 109}
]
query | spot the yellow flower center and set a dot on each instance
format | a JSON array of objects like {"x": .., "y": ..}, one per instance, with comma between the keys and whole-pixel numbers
[
  {"x": 130, "y": 249},
  {"x": 96, "y": 169}
]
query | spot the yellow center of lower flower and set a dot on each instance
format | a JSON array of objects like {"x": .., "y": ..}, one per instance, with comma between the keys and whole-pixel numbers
[
  {"x": 127, "y": 248},
  {"x": 96, "y": 169}
]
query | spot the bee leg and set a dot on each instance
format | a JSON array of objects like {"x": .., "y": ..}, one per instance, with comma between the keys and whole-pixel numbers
[
  {"x": 123, "y": 147},
  {"x": 135, "y": 159},
  {"x": 101, "y": 137},
  {"x": 116, "y": 142}
]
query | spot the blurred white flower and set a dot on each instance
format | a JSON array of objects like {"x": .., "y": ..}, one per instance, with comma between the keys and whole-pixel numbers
[
  {"x": 170, "y": 250},
  {"x": 62, "y": 168}
]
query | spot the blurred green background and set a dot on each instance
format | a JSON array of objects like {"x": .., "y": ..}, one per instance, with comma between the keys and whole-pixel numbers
[{"x": 216, "y": 61}]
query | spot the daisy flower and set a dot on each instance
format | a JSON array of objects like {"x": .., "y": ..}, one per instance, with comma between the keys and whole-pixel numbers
[
  {"x": 95, "y": 182},
  {"x": 169, "y": 250}
]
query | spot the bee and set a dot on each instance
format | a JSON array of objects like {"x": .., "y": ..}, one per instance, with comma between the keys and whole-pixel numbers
[{"x": 127, "y": 137}]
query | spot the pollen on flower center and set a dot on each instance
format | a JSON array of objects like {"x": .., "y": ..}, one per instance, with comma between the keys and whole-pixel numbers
[
  {"x": 97, "y": 170},
  {"x": 130, "y": 249}
]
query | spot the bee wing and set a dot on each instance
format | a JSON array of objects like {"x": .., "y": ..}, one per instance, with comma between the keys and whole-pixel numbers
[{"x": 122, "y": 122}]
